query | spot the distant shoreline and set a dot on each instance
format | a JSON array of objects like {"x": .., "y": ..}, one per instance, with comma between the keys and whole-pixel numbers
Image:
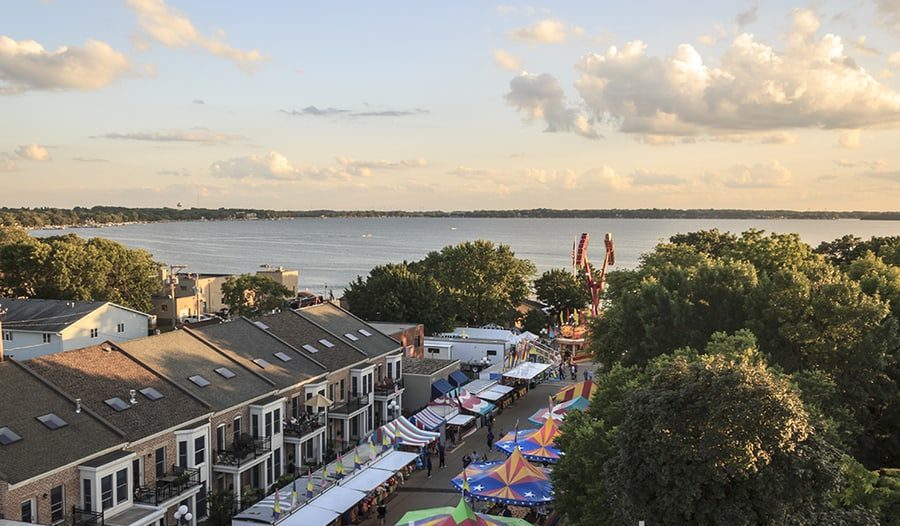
[{"x": 103, "y": 216}]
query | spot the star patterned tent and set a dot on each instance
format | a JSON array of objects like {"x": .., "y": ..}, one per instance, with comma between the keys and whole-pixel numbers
[
  {"x": 559, "y": 411},
  {"x": 585, "y": 389},
  {"x": 512, "y": 481},
  {"x": 535, "y": 444},
  {"x": 461, "y": 515}
]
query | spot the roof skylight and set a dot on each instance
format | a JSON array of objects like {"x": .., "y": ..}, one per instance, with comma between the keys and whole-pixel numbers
[
  {"x": 8, "y": 436},
  {"x": 282, "y": 356},
  {"x": 326, "y": 343},
  {"x": 310, "y": 348},
  {"x": 117, "y": 403},
  {"x": 198, "y": 380},
  {"x": 225, "y": 373},
  {"x": 151, "y": 393},
  {"x": 52, "y": 421},
  {"x": 351, "y": 337},
  {"x": 260, "y": 362},
  {"x": 365, "y": 332}
]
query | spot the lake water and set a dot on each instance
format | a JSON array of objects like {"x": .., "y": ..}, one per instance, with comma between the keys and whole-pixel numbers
[{"x": 333, "y": 252}]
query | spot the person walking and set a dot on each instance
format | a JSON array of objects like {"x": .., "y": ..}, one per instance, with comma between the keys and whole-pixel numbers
[
  {"x": 585, "y": 374},
  {"x": 466, "y": 460},
  {"x": 428, "y": 465},
  {"x": 442, "y": 459},
  {"x": 490, "y": 439},
  {"x": 382, "y": 512}
]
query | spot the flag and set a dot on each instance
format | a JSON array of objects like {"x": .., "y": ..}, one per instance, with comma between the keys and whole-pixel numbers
[
  {"x": 385, "y": 441},
  {"x": 372, "y": 452},
  {"x": 276, "y": 509},
  {"x": 309, "y": 484},
  {"x": 465, "y": 484},
  {"x": 576, "y": 317},
  {"x": 357, "y": 462},
  {"x": 294, "y": 494},
  {"x": 325, "y": 475},
  {"x": 339, "y": 469},
  {"x": 516, "y": 433}
]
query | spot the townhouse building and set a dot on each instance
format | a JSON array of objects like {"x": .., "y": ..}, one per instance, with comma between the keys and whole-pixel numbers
[
  {"x": 410, "y": 335},
  {"x": 166, "y": 461}
]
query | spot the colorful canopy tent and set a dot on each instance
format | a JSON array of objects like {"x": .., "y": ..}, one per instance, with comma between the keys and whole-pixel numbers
[
  {"x": 585, "y": 389},
  {"x": 440, "y": 388},
  {"x": 461, "y": 515},
  {"x": 473, "y": 404},
  {"x": 512, "y": 481},
  {"x": 535, "y": 444},
  {"x": 428, "y": 419},
  {"x": 407, "y": 433},
  {"x": 559, "y": 411},
  {"x": 458, "y": 379}
]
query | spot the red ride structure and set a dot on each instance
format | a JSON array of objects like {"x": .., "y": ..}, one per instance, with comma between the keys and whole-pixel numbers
[{"x": 580, "y": 262}]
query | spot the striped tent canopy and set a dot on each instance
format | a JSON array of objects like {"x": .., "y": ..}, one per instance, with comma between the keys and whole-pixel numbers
[
  {"x": 461, "y": 515},
  {"x": 428, "y": 419},
  {"x": 585, "y": 389},
  {"x": 535, "y": 444},
  {"x": 407, "y": 433},
  {"x": 512, "y": 481},
  {"x": 559, "y": 411},
  {"x": 473, "y": 404}
]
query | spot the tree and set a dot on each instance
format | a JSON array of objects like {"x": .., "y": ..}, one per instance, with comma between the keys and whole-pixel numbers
[
  {"x": 393, "y": 292},
  {"x": 221, "y": 508},
  {"x": 250, "y": 295},
  {"x": 535, "y": 321},
  {"x": 561, "y": 290}
]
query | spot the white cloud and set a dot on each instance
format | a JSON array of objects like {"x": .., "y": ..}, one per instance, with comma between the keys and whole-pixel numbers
[
  {"x": 753, "y": 87},
  {"x": 745, "y": 18},
  {"x": 541, "y": 97},
  {"x": 365, "y": 168},
  {"x": 850, "y": 139},
  {"x": 544, "y": 32},
  {"x": 200, "y": 135},
  {"x": 7, "y": 163},
  {"x": 770, "y": 174},
  {"x": 894, "y": 60},
  {"x": 863, "y": 48},
  {"x": 890, "y": 14},
  {"x": 506, "y": 60},
  {"x": 175, "y": 30},
  {"x": 275, "y": 166},
  {"x": 874, "y": 166},
  {"x": 26, "y": 65},
  {"x": 33, "y": 152}
]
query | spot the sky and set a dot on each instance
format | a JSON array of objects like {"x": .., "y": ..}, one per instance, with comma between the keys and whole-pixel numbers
[{"x": 451, "y": 105}]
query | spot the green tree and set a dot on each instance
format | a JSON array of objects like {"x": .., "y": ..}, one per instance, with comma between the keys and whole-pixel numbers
[
  {"x": 221, "y": 507},
  {"x": 535, "y": 321},
  {"x": 393, "y": 292},
  {"x": 250, "y": 295},
  {"x": 561, "y": 290}
]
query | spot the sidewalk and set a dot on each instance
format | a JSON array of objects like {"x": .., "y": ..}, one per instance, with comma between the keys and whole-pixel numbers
[{"x": 420, "y": 492}]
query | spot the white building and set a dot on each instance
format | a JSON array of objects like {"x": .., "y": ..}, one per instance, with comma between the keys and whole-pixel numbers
[
  {"x": 475, "y": 344},
  {"x": 34, "y": 327}
]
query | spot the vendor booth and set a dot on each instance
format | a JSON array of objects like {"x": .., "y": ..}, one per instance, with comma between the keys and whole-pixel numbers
[
  {"x": 461, "y": 515},
  {"x": 458, "y": 379},
  {"x": 559, "y": 411},
  {"x": 460, "y": 426},
  {"x": 512, "y": 481},
  {"x": 585, "y": 389},
  {"x": 498, "y": 394},
  {"x": 473, "y": 404},
  {"x": 405, "y": 433},
  {"x": 428, "y": 420},
  {"x": 537, "y": 445}
]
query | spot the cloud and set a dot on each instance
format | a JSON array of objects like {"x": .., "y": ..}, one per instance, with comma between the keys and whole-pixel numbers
[
  {"x": 771, "y": 174},
  {"x": 275, "y": 166},
  {"x": 200, "y": 135},
  {"x": 33, "y": 152},
  {"x": 25, "y": 65},
  {"x": 313, "y": 111},
  {"x": 894, "y": 60},
  {"x": 506, "y": 60},
  {"x": 889, "y": 11},
  {"x": 879, "y": 164},
  {"x": 850, "y": 139},
  {"x": 753, "y": 87},
  {"x": 175, "y": 30},
  {"x": 541, "y": 97},
  {"x": 90, "y": 160},
  {"x": 389, "y": 113},
  {"x": 7, "y": 163},
  {"x": 174, "y": 173},
  {"x": 861, "y": 47},
  {"x": 472, "y": 173},
  {"x": 198, "y": 101},
  {"x": 544, "y": 32},
  {"x": 745, "y": 18},
  {"x": 887, "y": 176},
  {"x": 648, "y": 178}
]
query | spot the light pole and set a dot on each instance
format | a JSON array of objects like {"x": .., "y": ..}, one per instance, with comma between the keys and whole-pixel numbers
[
  {"x": 183, "y": 514},
  {"x": 394, "y": 409}
]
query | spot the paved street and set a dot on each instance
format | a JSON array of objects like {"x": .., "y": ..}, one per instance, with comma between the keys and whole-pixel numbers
[{"x": 421, "y": 492}]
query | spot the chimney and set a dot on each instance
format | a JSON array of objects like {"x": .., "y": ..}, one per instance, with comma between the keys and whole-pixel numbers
[
  {"x": 78, "y": 405},
  {"x": 132, "y": 393}
]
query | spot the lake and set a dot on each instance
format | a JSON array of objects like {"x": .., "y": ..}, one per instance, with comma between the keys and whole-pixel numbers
[{"x": 332, "y": 252}]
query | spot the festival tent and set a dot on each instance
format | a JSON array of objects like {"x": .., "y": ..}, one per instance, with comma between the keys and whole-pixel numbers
[
  {"x": 535, "y": 444},
  {"x": 473, "y": 404},
  {"x": 458, "y": 379},
  {"x": 428, "y": 419},
  {"x": 461, "y": 515},
  {"x": 440, "y": 388},
  {"x": 407, "y": 433},
  {"x": 585, "y": 389},
  {"x": 445, "y": 406},
  {"x": 512, "y": 481},
  {"x": 559, "y": 411}
]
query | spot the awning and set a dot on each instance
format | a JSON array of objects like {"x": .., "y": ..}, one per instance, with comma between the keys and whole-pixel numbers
[
  {"x": 502, "y": 389},
  {"x": 308, "y": 516},
  {"x": 526, "y": 370},
  {"x": 490, "y": 395},
  {"x": 394, "y": 460},
  {"x": 407, "y": 433},
  {"x": 474, "y": 404},
  {"x": 440, "y": 387},
  {"x": 458, "y": 378},
  {"x": 338, "y": 499},
  {"x": 460, "y": 420},
  {"x": 428, "y": 419},
  {"x": 368, "y": 479},
  {"x": 477, "y": 386}
]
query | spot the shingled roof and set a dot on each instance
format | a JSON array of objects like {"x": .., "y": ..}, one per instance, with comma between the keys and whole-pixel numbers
[
  {"x": 298, "y": 332},
  {"x": 179, "y": 356},
  {"x": 44, "y": 315},
  {"x": 103, "y": 372},
  {"x": 245, "y": 341},
  {"x": 25, "y": 398},
  {"x": 341, "y": 323}
]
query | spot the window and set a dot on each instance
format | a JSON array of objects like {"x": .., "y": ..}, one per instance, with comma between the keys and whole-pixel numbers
[
  {"x": 87, "y": 495},
  {"x": 276, "y": 460},
  {"x": 351, "y": 337},
  {"x": 8, "y": 436},
  {"x": 106, "y": 492},
  {"x": 51, "y": 421},
  {"x": 136, "y": 479},
  {"x": 326, "y": 343},
  {"x": 182, "y": 453},
  {"x": 492, "y": 353},
  {"x": 310, "y": 348},
  {"x": 390, "y": 370},
  {"x": 165, "y": 307},
  {"x": 225, "y": 373},
  {"x": 354, "y": 385},
  {"x": 117, "y": 403},
  {"x": 295, "y": 406},
  {"x": 95, "y": 332},
  {"x": 199, "y": 450},
  {"x": 57, "y": 505},
  {"x": 254, "y": 426},
  {"x": 122, "y": 485},
  {"x": 268, "y": 424},
  {"x": 237, "y": 428},
  {"x": 220, "y": 437},
  {"x": 342, "y": 389},
  {"x": 28, "y": 511},
  {"x": 7, "y": 335},
  {"x": 151, "y": 393},
  {"x": 277, "y": 420},
  {"x": 46, "y": 337},
  {"x": 198, "y": 380},
  {"x": 432, "y": 350},
  {"x": 364, "y": 332},
  {"x": 260, "y": 362},
  {"x": 201, "y": 502},
  {"x": 161, "y": 462},
  {"x": 120, "y": 327},
  {"x": 283, "y": 357},
  {"x": 331, "y": 392}
]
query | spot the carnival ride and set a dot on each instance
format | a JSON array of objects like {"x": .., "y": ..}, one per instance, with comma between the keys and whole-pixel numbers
[{"x": 580, "y": 263}]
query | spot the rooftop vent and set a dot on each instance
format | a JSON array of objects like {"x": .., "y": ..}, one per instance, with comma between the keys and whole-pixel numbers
[
  {"x": 78, "y": 405},
  {"x": 132, "y": 398}
]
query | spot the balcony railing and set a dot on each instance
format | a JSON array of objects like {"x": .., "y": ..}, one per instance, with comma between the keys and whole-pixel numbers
[
  {"x": 305, "y": 425},
  {"x": 354, "y": 403},
  {"x": 387, "y": 386},
  {"x": 82, "y": 517},
  {"x": 170, "y": 485},
  {"x": 244, "y": 450}
]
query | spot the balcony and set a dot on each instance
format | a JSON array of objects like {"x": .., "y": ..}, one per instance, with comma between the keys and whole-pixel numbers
[
  {"x": 352, "y": 404},
  {"x": 244, "y": 450},
  {"x": 82, "y": 517},
  {"x": 305, "y": 425},
  {"x": 168, "y": 486},
  {"x": 388, "y": 386}
]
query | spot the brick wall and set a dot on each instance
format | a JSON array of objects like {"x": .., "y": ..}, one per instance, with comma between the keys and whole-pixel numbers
[{"x": 12, "y": 498}]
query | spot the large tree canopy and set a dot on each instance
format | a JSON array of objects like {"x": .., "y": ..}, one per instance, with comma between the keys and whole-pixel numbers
[
  {"x": 561, "y": 290},
  {"x": 70, "y": 267},
  {"x": 250, "y": 295}
]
